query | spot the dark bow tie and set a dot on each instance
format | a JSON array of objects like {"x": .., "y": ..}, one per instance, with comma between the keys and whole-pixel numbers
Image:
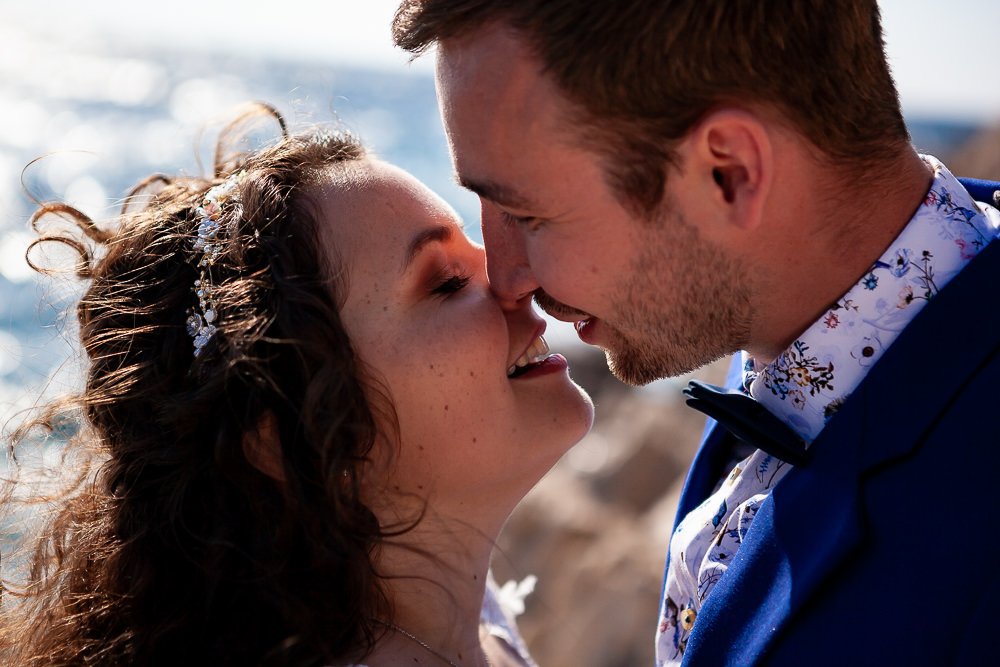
[{"x": 749, "y": 421}]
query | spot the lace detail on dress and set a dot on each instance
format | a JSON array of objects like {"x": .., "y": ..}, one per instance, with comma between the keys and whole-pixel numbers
[{"x": 501, "y": 607}]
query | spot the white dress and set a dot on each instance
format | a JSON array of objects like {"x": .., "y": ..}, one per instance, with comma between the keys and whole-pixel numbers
[{"x": 501, "y": 607}]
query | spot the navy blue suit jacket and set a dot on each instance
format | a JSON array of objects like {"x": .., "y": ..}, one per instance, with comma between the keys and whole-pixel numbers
[{"x": 885, "y": 550}]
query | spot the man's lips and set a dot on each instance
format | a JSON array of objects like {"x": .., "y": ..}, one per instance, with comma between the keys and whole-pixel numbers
[
  {"x": 583, "y": 322},
  {"x": 586, "y": 330},
  {"x": 557, "y": 309}
]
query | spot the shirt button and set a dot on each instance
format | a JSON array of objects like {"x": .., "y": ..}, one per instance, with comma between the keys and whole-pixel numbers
[{"x": 687, "y": 618}]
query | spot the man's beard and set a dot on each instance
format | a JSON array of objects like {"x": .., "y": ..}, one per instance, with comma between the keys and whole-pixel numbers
[{"x": 683, "y": 305}]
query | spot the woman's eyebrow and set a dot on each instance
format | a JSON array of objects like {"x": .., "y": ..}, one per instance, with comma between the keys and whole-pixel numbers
[{"x": 439, "y": 234}]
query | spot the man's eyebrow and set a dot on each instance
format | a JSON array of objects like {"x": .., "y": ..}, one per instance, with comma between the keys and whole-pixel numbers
[
  {"x": 496, "y": 193},
  {"x": 440, "y": 234}
]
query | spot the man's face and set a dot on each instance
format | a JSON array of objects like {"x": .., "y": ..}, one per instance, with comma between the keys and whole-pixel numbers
[{"x": 656, "y": 296}]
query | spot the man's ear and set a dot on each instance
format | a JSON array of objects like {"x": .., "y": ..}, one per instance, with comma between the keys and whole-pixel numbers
[
  {"x": 262, "y": 447},
  {"x": 735, "y": 147}
]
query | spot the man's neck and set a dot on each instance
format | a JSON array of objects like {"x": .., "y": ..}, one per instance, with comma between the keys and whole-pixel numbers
[{"x": 834, "y": 230}]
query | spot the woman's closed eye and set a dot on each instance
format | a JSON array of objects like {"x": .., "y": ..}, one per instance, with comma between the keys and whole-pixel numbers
[{"x": 447, "y": 282}]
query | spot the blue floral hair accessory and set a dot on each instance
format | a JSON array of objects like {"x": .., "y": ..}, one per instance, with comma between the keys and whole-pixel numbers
[{"x": 201, "y": 320}]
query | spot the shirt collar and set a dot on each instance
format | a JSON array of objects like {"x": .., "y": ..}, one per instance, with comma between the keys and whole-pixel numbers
[{"x": 807, "y": 383}]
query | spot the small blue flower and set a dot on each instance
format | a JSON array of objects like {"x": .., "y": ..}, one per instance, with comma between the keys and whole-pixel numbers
[
  {"x": 777, "y": 386},
  {"x": 721, "y": 513},
  {"x": 963, "y": 213},
  {"x": 747, "y": 514},
  {"x": 764, "y": 465},
  {"x": 720, "y": 555},
  {"x": 870, "y": 282},
  {"x": 900, "y": 265}
]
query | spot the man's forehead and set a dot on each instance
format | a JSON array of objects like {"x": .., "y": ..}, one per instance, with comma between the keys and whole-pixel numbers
[
  {"x": 493, "y": 66},
  {"x": 503, "y": 115},
  {"x": 492, "y": 46}
]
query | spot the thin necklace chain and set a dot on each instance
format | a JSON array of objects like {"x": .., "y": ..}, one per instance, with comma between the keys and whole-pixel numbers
[{"x": 424, "y": 644}]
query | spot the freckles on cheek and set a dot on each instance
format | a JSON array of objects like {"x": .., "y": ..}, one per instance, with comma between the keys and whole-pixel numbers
[{"x": 437, "y": 371}]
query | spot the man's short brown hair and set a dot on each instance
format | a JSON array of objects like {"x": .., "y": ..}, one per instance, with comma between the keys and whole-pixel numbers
[{"x": 643, "y": 72}]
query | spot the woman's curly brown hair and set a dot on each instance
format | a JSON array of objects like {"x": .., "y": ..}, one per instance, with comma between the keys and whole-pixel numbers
[{"x": 172, "y": 549}]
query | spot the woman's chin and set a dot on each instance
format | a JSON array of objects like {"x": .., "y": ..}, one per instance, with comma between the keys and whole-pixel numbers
[
  {"x": 570, "y": 409},
  {"x": 579, "y": 417},
  {"x": 572, "y": 427}
]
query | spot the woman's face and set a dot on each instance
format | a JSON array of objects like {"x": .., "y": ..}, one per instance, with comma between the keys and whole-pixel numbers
[{"x": 421, "y": 316}]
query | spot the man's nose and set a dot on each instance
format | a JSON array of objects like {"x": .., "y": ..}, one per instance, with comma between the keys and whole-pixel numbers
[{"x": 510, "y": 275}]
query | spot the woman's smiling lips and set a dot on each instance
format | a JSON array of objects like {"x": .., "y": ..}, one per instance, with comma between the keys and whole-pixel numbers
[{"x": 551, "y": 363}]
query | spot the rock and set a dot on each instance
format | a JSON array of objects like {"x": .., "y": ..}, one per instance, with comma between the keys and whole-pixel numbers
[{"x": 979, "y": 157}]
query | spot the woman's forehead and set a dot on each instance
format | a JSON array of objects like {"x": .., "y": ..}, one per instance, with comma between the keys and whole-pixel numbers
[
  {"x": 370, "y": 211},
  {"x": 361, "y": 197}
]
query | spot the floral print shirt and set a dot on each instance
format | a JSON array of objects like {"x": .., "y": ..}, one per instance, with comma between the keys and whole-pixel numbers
[{"x": 808, "y": 382}]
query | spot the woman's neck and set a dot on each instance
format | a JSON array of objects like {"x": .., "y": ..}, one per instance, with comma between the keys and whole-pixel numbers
[{"x": 435, "y": 577}]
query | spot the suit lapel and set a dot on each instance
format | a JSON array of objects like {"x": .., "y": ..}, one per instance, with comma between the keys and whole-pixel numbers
[{"x": 932, "y": 360}]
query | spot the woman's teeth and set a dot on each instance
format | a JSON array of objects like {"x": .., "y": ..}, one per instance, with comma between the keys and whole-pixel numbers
[{"x": 538, "y": 351}]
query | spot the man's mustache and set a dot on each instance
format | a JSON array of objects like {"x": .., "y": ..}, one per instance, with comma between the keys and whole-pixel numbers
[{"x": 557, "y": 309}]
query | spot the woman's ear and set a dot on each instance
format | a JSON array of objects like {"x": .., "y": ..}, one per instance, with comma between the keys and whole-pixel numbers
[{"x": 262, "y": 447}]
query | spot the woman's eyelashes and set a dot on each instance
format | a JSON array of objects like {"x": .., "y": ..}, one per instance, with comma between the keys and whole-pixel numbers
[{"x": 448, "y": 282}]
